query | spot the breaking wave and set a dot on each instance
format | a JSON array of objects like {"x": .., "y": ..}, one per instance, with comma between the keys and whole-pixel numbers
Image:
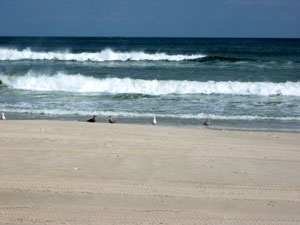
[
  {"x": 104, "y": 55},
  {"x": 221, "y": 59},
  {"x": 81, "y": 83}
]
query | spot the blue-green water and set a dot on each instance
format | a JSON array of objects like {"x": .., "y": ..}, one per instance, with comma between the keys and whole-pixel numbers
[{"x": 237, "y": 83}]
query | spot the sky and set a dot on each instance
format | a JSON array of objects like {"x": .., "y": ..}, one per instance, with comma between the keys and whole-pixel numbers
[{"x": 151, "y": 18}]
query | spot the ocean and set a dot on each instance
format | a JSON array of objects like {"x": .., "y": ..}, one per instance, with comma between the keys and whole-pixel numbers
[{"x": 239, "y": 83}]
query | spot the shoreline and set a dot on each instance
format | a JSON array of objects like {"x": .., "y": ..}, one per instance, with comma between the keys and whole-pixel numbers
[
  {"x": 127, "y": 121},
  {"x": 55, "y": 172}
]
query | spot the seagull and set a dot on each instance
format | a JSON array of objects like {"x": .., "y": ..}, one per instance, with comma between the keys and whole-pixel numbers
[
  {"x": 111, "y": 120},
  {"x": 207, "y": 122},
  {"x": 154, "y": 121},
  {"x": 93, "y": 120},
  {"x": 2, "y": 116}
]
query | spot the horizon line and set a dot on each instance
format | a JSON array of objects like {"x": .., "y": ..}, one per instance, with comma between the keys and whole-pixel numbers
[{"x": 167, "y": 37}]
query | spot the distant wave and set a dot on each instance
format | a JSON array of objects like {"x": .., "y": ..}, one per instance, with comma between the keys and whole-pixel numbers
[
  {"x": 80, "y": 83},
  {"x": 145, "y": 115},
  {"x": 221, "y": 59},
  {"x": 104, "y": 55}
]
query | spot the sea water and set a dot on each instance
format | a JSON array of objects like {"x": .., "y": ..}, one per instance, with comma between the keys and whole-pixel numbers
[{"x": 251, "y": 84}]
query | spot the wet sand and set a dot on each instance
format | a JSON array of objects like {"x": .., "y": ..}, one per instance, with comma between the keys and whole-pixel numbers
[{"x": 55, "y": 172}]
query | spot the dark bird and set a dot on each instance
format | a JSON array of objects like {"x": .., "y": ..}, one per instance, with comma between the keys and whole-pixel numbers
[
  {"x": 206, "y": 123},
  {"x": 93, "y": 120},
  {"x": 111, "y": 120}
]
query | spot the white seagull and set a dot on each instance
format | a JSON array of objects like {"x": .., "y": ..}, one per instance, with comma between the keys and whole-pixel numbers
[
  {"x": 154, "y": 121},
  {"x": 2, "y": 116}
]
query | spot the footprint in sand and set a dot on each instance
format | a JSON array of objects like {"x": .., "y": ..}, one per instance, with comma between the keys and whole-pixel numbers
[
  {"x": 241, "y": 172},
  {"x": 271, "y": 203},
  {"x": 209, "y": 163}
]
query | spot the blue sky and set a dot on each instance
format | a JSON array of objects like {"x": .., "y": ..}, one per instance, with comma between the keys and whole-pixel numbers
[{"x": 151, "y": 18}]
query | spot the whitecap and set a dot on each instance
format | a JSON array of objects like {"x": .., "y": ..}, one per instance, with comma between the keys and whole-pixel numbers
[
  {"x": 85, "y": 84},
  {"x": 102, "y": 56}
]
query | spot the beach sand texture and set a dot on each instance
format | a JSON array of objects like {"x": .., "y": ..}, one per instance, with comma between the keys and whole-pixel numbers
[{"x": 55, "y": 172}]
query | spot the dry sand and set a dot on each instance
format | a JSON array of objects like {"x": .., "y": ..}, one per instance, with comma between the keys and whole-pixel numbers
[{"x": 82, "y": 173}]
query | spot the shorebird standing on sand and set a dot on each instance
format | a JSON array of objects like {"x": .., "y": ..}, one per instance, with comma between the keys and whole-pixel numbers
[
  {"x": 111, "y": 120},
  {"x": 93, "y": 120},
  {"x": 2, "y": 116},
  {"x": 154, "y": 121},
  {"x": 206, "y": 123}
]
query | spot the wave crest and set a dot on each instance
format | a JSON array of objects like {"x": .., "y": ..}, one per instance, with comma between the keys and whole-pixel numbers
[
  {"x": 80, "y": 83},
  {"x": 104, "y": 55}
]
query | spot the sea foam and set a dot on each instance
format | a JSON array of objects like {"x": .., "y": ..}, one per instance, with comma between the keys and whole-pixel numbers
[
  {"x": 81, "y": 83},
  {"x": 102, "y": 56},
  {"x": 76, "y": 112}
]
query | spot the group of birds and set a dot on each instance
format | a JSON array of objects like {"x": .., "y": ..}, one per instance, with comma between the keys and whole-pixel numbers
[
  {"x": 93, "y": 120},
  {"x": 154, "y": 122},
  {"x": 111, "y": 120}
]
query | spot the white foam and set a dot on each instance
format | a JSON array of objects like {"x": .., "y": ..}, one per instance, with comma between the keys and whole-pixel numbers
[
  {"x": 145, "y": 114},
  {"x": 104, "y": 55},
  {"x": 80, "y": 83}
]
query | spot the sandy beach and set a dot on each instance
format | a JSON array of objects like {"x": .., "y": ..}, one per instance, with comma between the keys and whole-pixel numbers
[{"x": 55, "y": 172}]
